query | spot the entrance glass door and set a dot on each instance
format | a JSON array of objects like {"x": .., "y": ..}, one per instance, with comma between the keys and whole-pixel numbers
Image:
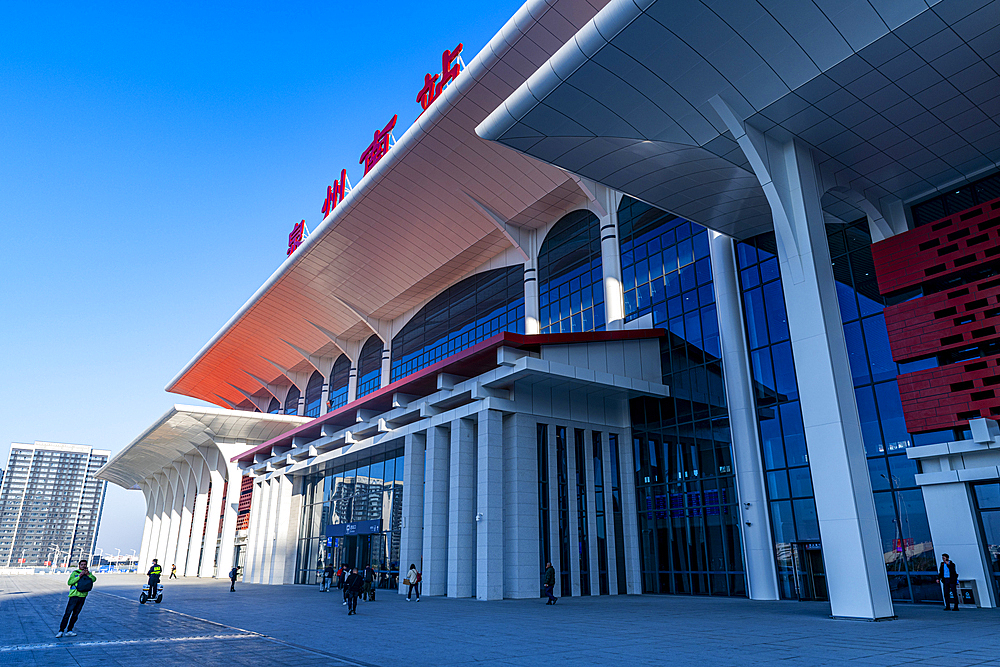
[{"x": 810, "y": 576}]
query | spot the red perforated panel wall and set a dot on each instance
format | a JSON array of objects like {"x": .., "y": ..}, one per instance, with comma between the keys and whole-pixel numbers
[{"x": 956, "y": 262}]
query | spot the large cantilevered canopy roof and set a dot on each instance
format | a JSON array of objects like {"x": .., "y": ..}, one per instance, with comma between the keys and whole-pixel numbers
[
  {"x": 441, "y": 203},
  {"x": 181, "y": 430},
  {"x": 897, "y": 98}
]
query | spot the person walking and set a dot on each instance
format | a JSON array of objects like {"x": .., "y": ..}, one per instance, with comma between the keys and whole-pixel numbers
[
  {"x": 352, "y": 588},
  {"x": 341, "y": 575},
  {"x": 413, "y": 582},
  {"x": 949, "y": 576},
  {"x": 370, "y": 583},
  {"x": 233, "y": 573},
  {"x": 81, "y": 582},
  {"x": 327, "y": 578},
  {"x": 173, "y": 571},
  {"x": 549, "y": 581}
]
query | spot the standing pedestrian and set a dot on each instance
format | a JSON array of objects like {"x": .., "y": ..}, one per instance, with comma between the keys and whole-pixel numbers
[
  {"x": 173, "y": 571},
  {"x": 341, "y": 575},
  {"x": 353, "y": 587},
  {"x": 80, "y": 583},
  {"x": 949, "y": 575},
  {"x": 412, "y": 582},
  {"x": 370, "y": 583},
  {"x": 327, "y": 578},
  {"x": 346, "y": 575},
  {"x": 233, "y": 573},
  {"x": 549, "y": 581}
]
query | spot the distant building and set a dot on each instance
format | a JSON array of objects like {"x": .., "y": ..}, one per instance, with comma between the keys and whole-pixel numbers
[{"x": 50, "y": 504}]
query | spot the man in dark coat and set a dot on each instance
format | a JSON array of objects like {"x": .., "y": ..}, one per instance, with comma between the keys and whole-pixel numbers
[
  {"x": 369, "y": 588},
  {"x": 353, "y": 587},
  {"x": 949, "y": 576},
  {"x": 549, "y": 581}
]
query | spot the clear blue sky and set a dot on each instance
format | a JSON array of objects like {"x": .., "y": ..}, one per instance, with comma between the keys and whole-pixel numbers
[{"x": 153, "y": 159}]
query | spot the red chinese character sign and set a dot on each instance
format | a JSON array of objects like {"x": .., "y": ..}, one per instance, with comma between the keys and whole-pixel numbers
[
  {"x": 335, "y": 193},
  {"x": 379, "y": 146},
  {"x": 298, "y": 235},
  {"x": 451, "y": 65}
]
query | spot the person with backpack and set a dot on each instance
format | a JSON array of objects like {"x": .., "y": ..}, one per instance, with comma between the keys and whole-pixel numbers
[
  {"x": 233, "y": 573},
  {"x": 80, "y": 583},
  {"x": 352, "y": 588},
  {"x": 327, "y": 578},
  {"x": 413, "y": 582},
  {"x": 369, "y": 583}
]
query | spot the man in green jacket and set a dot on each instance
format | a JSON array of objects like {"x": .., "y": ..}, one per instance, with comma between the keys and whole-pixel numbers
[{"x": 80, "y": 583}]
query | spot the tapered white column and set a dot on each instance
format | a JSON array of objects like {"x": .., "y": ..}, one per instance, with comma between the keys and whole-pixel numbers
[
  {"x": 154, "y": 533},
  {"x": 215, "y": 498},
  {"x": 149, "y": 490},
  {"x": 520, "y": 492},
  {"x": 251, "y": 567},
  {"x": 270, "y": 532},
  {"x": 489, "y": 536},
  {"x": 611, "y": 263},
  {"x": 230, "y": 512},
  {"x": 755, "y": 525},
  {"x": 532, "y": 316},
  {"x": 198, "y": 520},
  {"x": 386, "y": 368},
  {"x": 436, "y": 480},
  {"x": 184, "y": 536},
  {"x": 462, "y": 511},
  {"x": 411, "y": 543},
  {"x": 170, "y": 556},
  {"x": 168, "y": 502},
  {"x": 285, "y": 526},
  {"x": 574, "y": 513}
]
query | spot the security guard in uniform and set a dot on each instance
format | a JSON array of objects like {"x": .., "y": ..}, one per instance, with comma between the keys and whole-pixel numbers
[{"x": 154, "y": 577}]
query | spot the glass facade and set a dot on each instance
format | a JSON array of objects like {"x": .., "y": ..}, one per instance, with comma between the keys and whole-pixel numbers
[
  {"x": 370, "y": 366},
  {"x": 987, "y": 499},
  {"x": 274, "y": 407},
  {"x": 794, "y": 526},
  {"x": 685, "y": 481},
  {"x": 899, "y": 502},
  {"x": 314, "y": 394},
  {"x": 471, "y": 311},
  {"x": 366, "y": 489},
  {"x": 340, "y": 376},
  {"x": 570, "y": 281},
  {"x": 292, "y": 401}
]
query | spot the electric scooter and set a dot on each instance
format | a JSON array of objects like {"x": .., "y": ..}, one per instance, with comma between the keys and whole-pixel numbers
[{"x": 147, "y": 595}]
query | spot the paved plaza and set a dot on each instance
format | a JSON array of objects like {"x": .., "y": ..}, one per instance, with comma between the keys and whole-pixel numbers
[{"x": 201, "y": 622}]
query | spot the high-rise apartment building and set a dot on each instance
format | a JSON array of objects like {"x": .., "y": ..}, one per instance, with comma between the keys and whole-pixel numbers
[{"x": 50, "y": 504}]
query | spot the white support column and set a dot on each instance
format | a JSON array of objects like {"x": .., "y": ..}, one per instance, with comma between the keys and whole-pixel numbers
[
  {"x": 554, "y": 536},
  {"x": 352, "y": 381},
  {"x": 462, "y": 510},
  {"x": 212, "y": 527},
  {"x": 154, "y": 535},
  {"x": 611, "y": 262},
  {"x": 270, "y": 532},
  {"x": 411, "y": 543},
  {"x": 436, "y": 480},
  {"x": 198, "y": 517},
  {"x": 574, "y": 512},
  {"x": 386, "y": 370},
  {"x": 184, "y": 535},
  {"x": 609, "y": 515},
  {"x": 630, "y": 522},
  {"x": 170, "y": 556},
  {"x": 325, "y": 394},
  {"x": 521, "y": 565},
  {"x": 149, "y": 490},
  {"x": 489, "y": 527},
  {"x": 853, "y": 557},
  {"x": 532, "y": 312},
  {"x": 168, "y": 502},
  {"x": 284, "y": 532},
  {"x": 593, "y": 563},
  {"x": 231, "y": 508},
  {"x": 754, "y": 524},
  {"x": 251, "y": 567}
]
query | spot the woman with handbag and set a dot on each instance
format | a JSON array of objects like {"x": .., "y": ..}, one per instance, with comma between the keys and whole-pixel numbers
[{"x": 413, "y": 580}]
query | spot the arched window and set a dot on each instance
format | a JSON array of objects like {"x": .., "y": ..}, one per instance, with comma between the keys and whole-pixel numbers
[
  {"x": 339, "y": 379},
  {"x": 570, "y": 284},
  {"x": 370, "y": 366},
  {"x": 466, "y": 313},
  {"x": 314, "y": 394},
  {"x": 274, "y": 407},
  {"x": 292, "y": 401}
]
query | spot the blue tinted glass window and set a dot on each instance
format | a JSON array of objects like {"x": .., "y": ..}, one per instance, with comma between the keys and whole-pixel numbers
[
  {"x": 314, "y": 394},
  {"x": 292, "y": 401},
  {"x": 569, "y": 267},
  {"x": 370, "y": 366}
]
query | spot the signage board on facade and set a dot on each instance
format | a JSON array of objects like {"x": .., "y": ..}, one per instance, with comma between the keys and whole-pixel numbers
[{"x": 354, "y": 528}]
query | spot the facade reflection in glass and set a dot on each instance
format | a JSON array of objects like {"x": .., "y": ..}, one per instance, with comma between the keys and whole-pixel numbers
[
  {"x": 471, "y": 311},
  {"x": 363, "y": 490},
  {"x": 794, "y": 526},
  {"x": 314, "y": 394},
  {"x": 570, "y": 282},
  {"x": 339, "y": 380},
  {"x": 899, "y": 502},
  {"x": 370, "y": 366},
  {"x": 685, "y": 481}
]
